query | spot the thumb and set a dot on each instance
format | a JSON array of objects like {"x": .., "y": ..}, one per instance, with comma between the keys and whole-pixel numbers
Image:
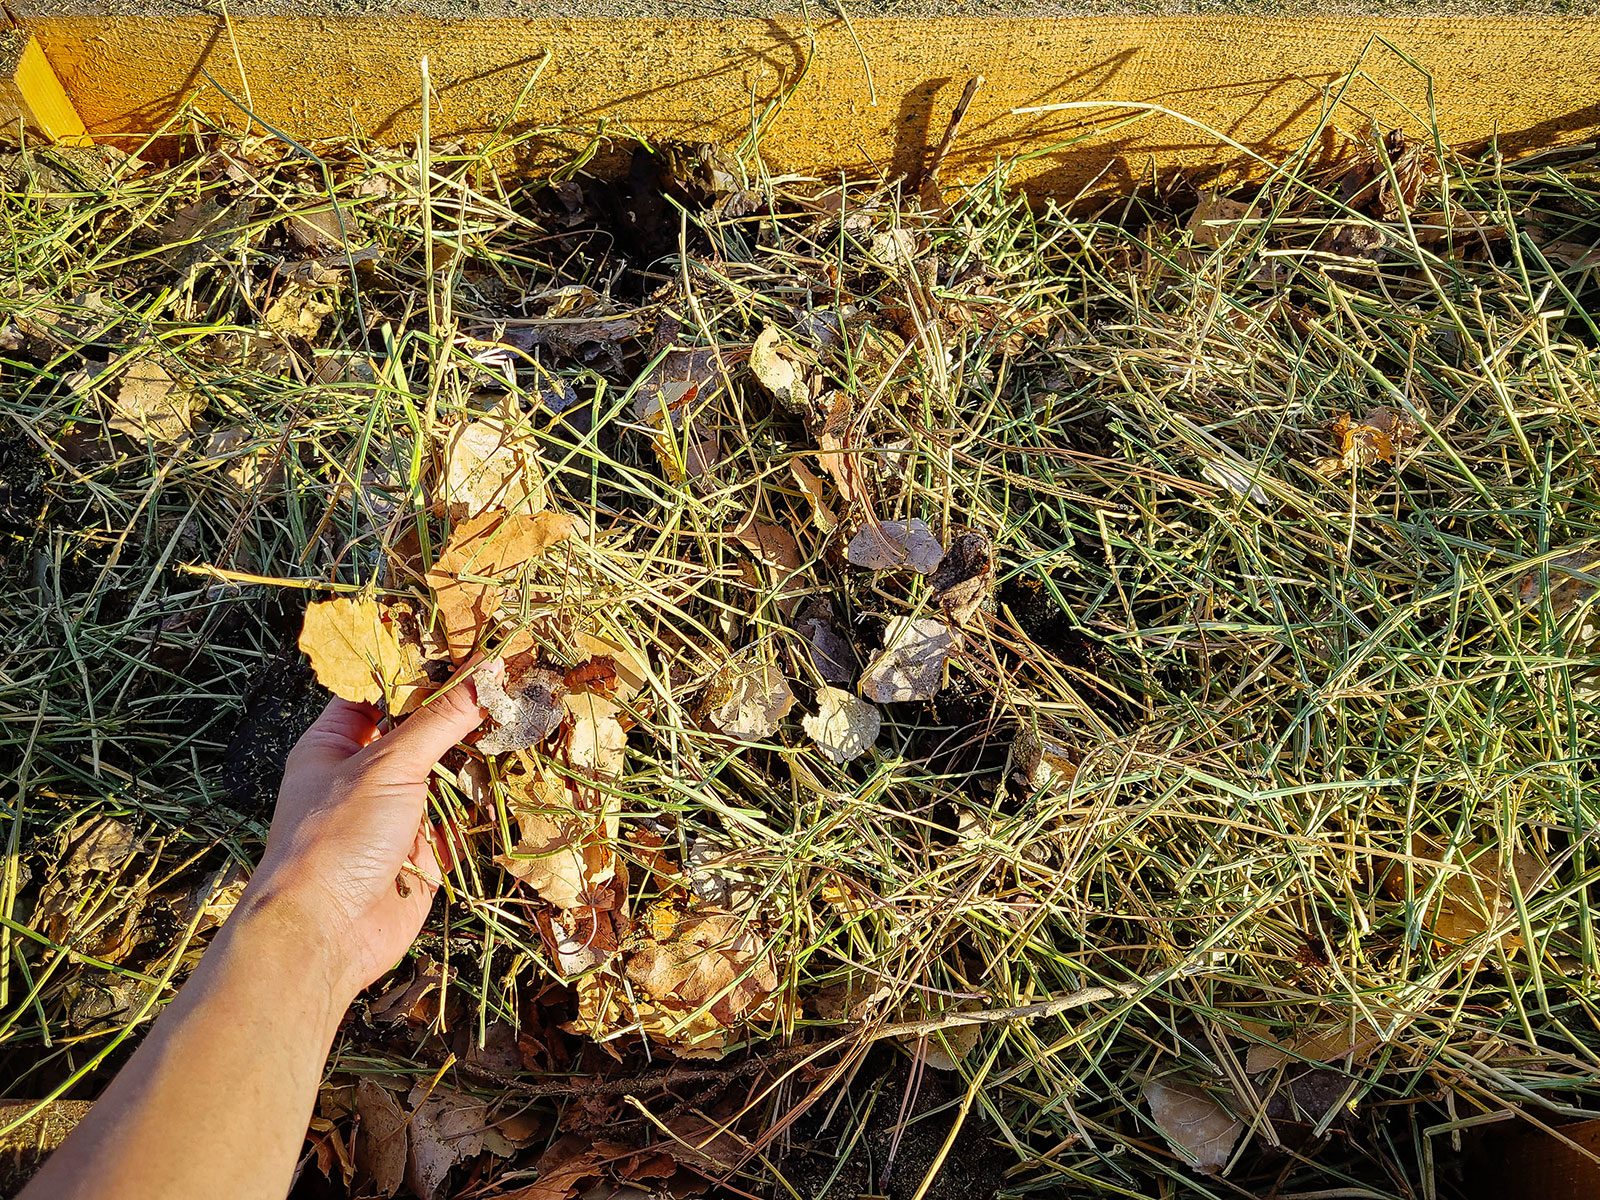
[{"x": 407, "y": 753}]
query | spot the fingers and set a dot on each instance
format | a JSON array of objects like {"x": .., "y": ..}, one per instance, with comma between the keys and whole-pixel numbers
[
  {"x": 342, "y": 730},
  {"x": 408, "y": 753}
]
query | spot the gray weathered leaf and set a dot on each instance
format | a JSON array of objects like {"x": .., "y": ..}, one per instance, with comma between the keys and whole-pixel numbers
[
  {"x": 911, "y": 664},
  {"x": 844, "y": 726},
  {"x": 887, "y": 545}
]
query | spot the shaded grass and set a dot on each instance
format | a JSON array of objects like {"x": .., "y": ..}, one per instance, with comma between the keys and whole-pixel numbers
[{"x": 1306, "y": 722}]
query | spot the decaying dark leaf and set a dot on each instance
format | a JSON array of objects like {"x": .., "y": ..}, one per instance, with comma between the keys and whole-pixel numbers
[
  {"x": 964, "y": 578},
  {"x": 830, "y": 651},
  {"x": 446, "y": 1128},
  {"x": 381, "y": 1138}
]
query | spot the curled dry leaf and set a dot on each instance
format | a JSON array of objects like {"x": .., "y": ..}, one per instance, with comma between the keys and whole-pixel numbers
[
  {"x": 1193, "y": 1123},
  {"x": 821, "y": 515},
  {"x": 717, "y": 962},
  {"x": 566, "y": 1166},
  {"x": 845, "y": 726},
  {"x": 492, "y": 546},
  {"x": 562, "y": 852},
  {"x": 1240, "y": 483},
  {"x": 780, "y": 371},
  {"x": 887, "y": 545},
  {"x": 911, "y": 664},
  {"x": 524, "y": 709},
  {"x": 1040, "y": 760},
  {"x": 489, "y": 466},
  {"x": 472, "y": 780},
  {"x": 629, "y": 663},
  {"x": 836, "y": 457},
  {"x": 680, "y": 379},
  {"x": 830, "y": 652},
  {"x": 381, "y": 1138},
  {"x": 1377, "y": 437},
  {"x": 749, "y": 697},
  {"x": 964, "y": 579},
  {"x": 946, "y": 1048},
  {"x": 358, "y": 654},
  {"x": 893, "y": 247}
]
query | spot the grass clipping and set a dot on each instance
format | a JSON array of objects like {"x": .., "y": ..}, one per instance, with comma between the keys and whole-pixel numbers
[{"x": 1140, "y": 657}]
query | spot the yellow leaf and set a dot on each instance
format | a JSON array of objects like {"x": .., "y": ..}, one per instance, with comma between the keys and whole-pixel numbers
[
  {"x": 357, "y": 653},
  {"x": 486, "y": 467}
]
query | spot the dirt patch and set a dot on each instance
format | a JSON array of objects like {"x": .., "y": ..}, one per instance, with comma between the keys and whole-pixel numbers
[
  {"x": 284, "y": 702},
  {"x": 894, "y": 1153}
]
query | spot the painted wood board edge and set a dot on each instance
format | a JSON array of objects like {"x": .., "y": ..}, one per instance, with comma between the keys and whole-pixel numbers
[{"x": 33, "y": 104}]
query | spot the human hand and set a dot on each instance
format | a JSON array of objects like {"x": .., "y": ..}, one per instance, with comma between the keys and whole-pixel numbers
[{"x": 351, "y": 861}]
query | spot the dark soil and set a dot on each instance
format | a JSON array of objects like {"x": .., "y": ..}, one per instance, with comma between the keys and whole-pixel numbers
[
  {"x": 971, "y": 1171},
  {"x": 278, "y": 709}
]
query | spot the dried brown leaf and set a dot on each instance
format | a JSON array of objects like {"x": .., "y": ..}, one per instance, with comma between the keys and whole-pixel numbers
[
  {"x": 780, "y": 370},
  {"x": 779, "y": 554},
  {"x": 1377, "y": 437},
  {"x": 150, "y": 404},
  {"x": 1216, "y": 220},
  {"x": 446, "y": 1129},
  {"x": 597, "y": 743},
  {"x": 1193, "y": 1123},
  {"x": 487, "y": 465},
  {"x": 717, "y": 961},
  {"x": 1567, "y": 591},
  {"x": 563, "y": 851},
  {"x": 381, "y": 1138},
  {"x": 821, "y": 515},
  {"x": 1474, "y": 896},
  {"x": 887, "y": 545},
  {"x": 749, "y": 697},
  {"x": 491, "y": 546}
]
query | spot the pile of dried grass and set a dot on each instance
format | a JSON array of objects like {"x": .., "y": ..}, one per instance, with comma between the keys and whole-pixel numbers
[{"x": 1237, "y": 827}]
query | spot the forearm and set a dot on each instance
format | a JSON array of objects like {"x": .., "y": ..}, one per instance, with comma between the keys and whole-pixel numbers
[{"x": 216, "y": 1100}]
